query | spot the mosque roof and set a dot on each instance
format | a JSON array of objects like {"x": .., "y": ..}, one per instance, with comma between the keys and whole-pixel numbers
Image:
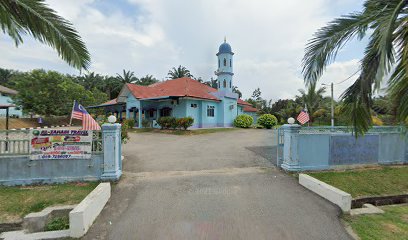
[
  {"x": 180, "y": 87},
  {"x": 250, "y": 109},
  {"x": 224, "y": 48},
  {"x": 7, "y": 90}
]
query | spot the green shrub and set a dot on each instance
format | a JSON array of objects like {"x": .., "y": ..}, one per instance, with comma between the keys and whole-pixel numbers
[
  {"x": 243, "y": 121},
  {"x": 173, "y": 123},
  {"x": 185, "y": 122},
  {"x": 124, "y": 133},
  {"x": 130, "y": 123},
  {"x": 165, "y": 122},
  {"x": 59, "y": 223},
  {"x": 267, "y": 121},
  {"x": 146, "y": 123}
]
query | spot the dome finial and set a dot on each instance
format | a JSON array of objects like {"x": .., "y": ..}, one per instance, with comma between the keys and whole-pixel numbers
[{"x": 225, "y": 39}]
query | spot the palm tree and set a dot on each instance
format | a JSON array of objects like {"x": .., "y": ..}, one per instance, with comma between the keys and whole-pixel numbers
[
  {"x": 128, "y": 77},
  {"x": 147, "y": 80},
  {"x": 34, "y": 17},
  {"x": 313, "y": 98},
  {"x": 179, "y": 72},
  {"x": 5, "y": 75},
  {"x": 112, "y": 86},
  {"x": 91, "y": 80},
  {"x": 385, "y": 55}
]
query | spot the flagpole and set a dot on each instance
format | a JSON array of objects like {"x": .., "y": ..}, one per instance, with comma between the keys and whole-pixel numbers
[{"x": 70, "y": 120}]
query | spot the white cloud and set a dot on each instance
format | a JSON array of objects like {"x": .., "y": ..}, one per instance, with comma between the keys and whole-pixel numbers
[
  {"x": 268, "y": 39},
  {"x": 342, "y": 74}
]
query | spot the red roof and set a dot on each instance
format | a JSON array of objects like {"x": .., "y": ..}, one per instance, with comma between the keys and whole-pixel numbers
[
  {"x": 242, "y": 102},
  {"x": 7, "y": 90},
  {"x": 181, "y": 87},
  {"x": 250, "y": 109},
  {"x": 110, "y": 102}
]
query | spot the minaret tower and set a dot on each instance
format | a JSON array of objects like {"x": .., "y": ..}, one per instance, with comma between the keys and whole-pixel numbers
[{"x": 224, "y": 72}]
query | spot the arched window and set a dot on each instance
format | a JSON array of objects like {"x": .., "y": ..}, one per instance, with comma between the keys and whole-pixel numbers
[
  {"x": 230, "y": 63},
  {"x": 230, "y": 83},
  {"x": 225, "y": 84},
  {"x": 225, "y": 62},
  {"x": 219, "y": 84},
  {"x": 219, "y": 63}
]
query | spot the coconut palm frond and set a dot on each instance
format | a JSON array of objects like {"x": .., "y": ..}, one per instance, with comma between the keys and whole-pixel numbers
[
  {"x": 179, "y": 72},
  {"x": 322, "y": 49},
  {"x": 34, "y": 17},
  {"x": 398, "y": 83},
  {"x": 385, "y": 52}
]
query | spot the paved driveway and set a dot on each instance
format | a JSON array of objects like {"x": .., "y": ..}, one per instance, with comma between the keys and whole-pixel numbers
[{"x": 213, "y": 186}]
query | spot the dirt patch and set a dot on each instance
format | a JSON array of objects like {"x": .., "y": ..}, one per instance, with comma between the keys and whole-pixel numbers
[
  {"x": 404, "y": 218},
  {"x": 9, "y": 218},
  {"x": 389, "y": 227}
]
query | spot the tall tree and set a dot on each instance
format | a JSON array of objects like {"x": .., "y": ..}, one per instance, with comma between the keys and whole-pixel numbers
[
  {"x": 236, "y": 90},
  {"x": 5, "y": 76},
  {"x": 128, "y": 77},
  {"x": 386, "y": 54},
  {"x": 212, "y": 83},
  {"x": 112, "y": 86},
  {"x": 52, "y": 93},
  {"x": 34, "y": 17},
  {"x": 147, "y": 80},
  {"x": 256, "y": 95},
  {"x": 91, "y": 80},
  {"x": 179, "y": 72},
  {"x": 312, "y": 98}
]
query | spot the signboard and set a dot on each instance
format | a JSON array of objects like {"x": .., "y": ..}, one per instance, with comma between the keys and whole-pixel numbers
[
  {"x": 349, "y": 150},
  {"x": 60, "y": 144}
]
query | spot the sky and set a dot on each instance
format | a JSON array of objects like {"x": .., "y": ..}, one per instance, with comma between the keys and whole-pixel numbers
[{"x": 268, "y": 38}]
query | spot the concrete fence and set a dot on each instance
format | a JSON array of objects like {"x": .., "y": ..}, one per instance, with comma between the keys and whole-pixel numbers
[
  {"x": 105, "y": 164},
  {"x": 317, "y": 148}
]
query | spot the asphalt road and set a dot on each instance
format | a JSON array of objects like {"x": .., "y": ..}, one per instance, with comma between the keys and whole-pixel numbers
[{"x": 214, "y": 186}]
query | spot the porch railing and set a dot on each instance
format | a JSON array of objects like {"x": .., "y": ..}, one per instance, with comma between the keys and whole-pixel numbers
[
  {"x": 17, "y": 142},
  {"x": 347, "y": 129},
  {"x": 14, "y": 142}
]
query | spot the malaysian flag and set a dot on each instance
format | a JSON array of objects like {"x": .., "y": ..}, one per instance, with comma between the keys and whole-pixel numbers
[
  {"x": 88, "y": 123},
  {"x": 303, "y": 117}
]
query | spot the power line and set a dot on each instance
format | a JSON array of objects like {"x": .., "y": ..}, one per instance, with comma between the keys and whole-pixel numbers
[{"x": 342, "y": 81}]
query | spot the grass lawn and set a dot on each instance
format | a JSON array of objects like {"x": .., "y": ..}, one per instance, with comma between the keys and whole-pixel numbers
[
  {"x": 16, "y": 202},
  {"x": 183, "y": 132},
  {"x": 391, "y": 225},
  {"x": 367, "y": 182}
]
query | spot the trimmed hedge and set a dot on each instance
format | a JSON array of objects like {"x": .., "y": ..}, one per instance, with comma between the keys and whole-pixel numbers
[
  {"x": 267, "y": 121},
  {"x": 243, "y": 121},
  {"x": 174, "y": 123},
  {"x": 185, "y": 122}
]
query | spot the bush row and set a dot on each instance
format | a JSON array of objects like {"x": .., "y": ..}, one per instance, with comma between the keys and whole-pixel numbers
[
  {"x": 267, "y": 121},
  {"x": 264, "y": 121},
  {"x": 174, "y": 123},
  {"x": 243, "y": 121}
]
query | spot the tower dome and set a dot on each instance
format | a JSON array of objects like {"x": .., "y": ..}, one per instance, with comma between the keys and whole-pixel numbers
[
  {"x": 225, "y": 72},
  {"x": 225, "y": 48}
]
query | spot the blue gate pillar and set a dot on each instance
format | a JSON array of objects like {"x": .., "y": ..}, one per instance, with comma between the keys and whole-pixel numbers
[
  {"x": 112, "y": 152},
  {"x": 290, "y": 147}
]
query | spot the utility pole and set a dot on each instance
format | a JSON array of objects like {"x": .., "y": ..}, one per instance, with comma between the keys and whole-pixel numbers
[{"x": 332, "y": 106}]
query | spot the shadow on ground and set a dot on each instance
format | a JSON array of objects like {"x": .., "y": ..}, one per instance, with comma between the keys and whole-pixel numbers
[{"x": 267, "y": 152}]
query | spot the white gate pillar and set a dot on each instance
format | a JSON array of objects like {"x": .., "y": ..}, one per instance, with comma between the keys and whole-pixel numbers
[
  {"x": 112, "y": 152},
  {"x": 290, "y": 147}
]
